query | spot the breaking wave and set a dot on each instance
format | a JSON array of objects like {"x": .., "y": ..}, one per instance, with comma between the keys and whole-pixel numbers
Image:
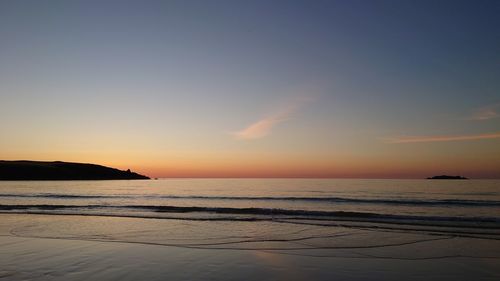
[
  {"x": 148, "y": 211},
  {"x": 333, "y": 200}
]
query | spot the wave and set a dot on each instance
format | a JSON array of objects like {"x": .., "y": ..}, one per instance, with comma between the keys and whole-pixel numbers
[
  {"x": 480, "y": 222},
  {"x": 415, "y": 202}
]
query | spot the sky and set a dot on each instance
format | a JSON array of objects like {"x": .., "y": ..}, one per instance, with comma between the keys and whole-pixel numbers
[{"x": 350, "y": 89}]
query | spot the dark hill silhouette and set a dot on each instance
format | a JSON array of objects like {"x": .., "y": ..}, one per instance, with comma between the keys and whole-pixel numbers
[
  {"x": 446, "y": 177},
  {"x": 38, "y": 170}
]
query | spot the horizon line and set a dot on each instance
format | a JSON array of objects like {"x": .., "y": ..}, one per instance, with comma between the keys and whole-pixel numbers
[{"x": 299, "y": 177}]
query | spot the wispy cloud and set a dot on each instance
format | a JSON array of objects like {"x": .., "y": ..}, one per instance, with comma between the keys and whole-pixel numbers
[
  {"x": 264, "y": 126},
  {"x": 485, "y": 113},
  {"x": 416, "y": 139}
]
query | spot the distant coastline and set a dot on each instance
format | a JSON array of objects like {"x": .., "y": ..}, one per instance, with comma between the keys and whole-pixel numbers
[
  {"x": 58, "y": 170},
  {"x": 446, "y": 177}
]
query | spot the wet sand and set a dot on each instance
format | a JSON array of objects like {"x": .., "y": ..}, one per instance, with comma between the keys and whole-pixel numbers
[{"x": 26, "y": 253}]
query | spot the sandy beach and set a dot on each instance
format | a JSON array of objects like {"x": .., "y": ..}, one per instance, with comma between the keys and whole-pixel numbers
[{"x": 39, "y": 247}]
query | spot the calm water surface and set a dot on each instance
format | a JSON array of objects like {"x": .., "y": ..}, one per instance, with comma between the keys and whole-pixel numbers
[
  {"x": 260, "y": 228},
  {"x": 433, "y": 199}
]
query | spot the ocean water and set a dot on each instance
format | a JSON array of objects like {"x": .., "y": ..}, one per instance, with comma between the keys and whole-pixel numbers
[
  {"x": 311, "y": 217},
  {"x": 469, "y": 202},
  {"x": 262, "y": 229}
]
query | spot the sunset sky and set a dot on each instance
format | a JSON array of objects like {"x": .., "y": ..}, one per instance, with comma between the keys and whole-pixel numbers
[{"x": 363, "y": 89}]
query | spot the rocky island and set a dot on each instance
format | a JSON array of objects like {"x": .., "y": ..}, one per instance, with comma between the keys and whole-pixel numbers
[
  {"x": 40, "y": 170},
  {"x": 446, "y": 177}
]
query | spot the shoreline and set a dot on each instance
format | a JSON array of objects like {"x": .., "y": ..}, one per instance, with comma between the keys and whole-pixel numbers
[{"x": 136, "y": 249}]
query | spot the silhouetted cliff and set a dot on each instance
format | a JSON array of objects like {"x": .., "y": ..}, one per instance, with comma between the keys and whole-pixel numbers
[{"x": 38, "y": 170}]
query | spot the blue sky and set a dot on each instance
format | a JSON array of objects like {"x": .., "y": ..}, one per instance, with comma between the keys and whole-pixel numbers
[{"x": 168, "y": 85}]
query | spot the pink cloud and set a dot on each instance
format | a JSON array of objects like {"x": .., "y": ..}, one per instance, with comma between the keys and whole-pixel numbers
[
  {"x": 417, "y": 139},
  {"x": 264, "y": 126},
  {"x": 486, "y": 113}
]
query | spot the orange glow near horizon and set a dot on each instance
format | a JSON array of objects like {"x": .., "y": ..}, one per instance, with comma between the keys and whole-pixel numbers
[
  {"x": 380, "y": 161},
  {"x": 341, "y": 169}
]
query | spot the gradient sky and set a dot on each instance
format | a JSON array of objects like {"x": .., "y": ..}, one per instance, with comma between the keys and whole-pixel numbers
[{"x": 374, "y": 89}]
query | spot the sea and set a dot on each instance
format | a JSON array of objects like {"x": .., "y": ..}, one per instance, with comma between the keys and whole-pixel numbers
[
  {"x": 321, "y": 222},
  {"x": 470, "y": 203}
]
